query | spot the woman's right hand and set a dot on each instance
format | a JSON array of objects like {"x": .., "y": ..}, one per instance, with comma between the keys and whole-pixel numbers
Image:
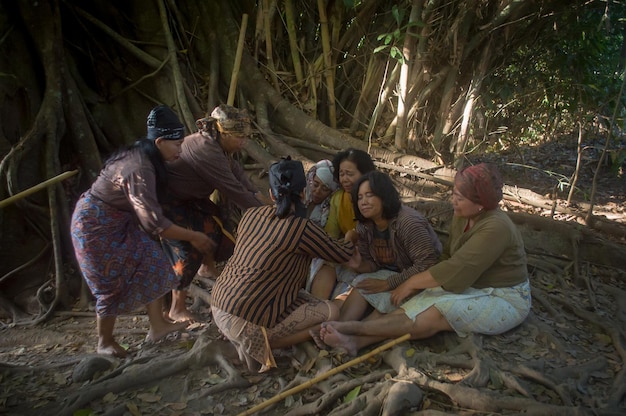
[
  {"x": 355, "y": 260},
  {"x": 202, "y": 242},
  {"x": 352, "y": 235}
]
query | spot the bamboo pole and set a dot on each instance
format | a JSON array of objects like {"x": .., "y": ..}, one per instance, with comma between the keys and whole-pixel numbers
[
  {"x": 324, "y": 376},
  {"x": 235, "y": 74},
  {"x": 293, "y": 40},
  {"x": 37, "y": 187},
  {"x": 268, "y": 44},
  {"x": 328, "y": 70}
]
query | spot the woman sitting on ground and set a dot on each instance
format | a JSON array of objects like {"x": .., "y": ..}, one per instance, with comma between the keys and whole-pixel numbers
[
  {"x": 348, "y": 166},
  {"x": 395, "y": 242},
  {"x": 480, "y": 286},
  {"x": 258, "y": 300},
  {"x": 320, "y": 187}
]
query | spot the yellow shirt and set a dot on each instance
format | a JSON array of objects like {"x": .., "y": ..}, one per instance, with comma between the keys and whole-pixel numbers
[{"x": 341, "y": 217}]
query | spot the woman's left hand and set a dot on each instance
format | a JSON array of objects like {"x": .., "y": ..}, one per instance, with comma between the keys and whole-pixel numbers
[
  {"x": 403, "y": 292},
  {"x": 373, "y": 286}
]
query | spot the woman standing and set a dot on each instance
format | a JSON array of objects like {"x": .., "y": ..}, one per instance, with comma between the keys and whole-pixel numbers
[
  {"x": 206, "y": 164},
  {"x": 479, "y": 286},
  {"x": 258, "y": 300},
  {"x": 116, "y": 225}
]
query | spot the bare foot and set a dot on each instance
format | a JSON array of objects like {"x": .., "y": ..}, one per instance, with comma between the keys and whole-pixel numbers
[
  {"x": 113, "y": 348},
  {"x": 166, "y": 316},
  {"x": 160, "y": 330},
  {"x": 335, "y": 339},
  {"x": 184, "y": 315},
  {"x": 208, "y": 272},
  {"x": 315, "y": 335}
]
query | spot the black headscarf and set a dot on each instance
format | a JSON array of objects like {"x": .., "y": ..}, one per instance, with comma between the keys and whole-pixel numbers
[
  {"x": 163, "y": 122},
  {"x": 287, "y": 181}
]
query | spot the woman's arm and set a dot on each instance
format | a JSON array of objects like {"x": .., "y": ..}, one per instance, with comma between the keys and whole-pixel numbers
[
  {"x": 410, "y": 287},
  {"x": 197, "y": 239}
]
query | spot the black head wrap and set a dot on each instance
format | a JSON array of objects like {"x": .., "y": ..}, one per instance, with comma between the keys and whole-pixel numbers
[
  {"x": 163, "y": 122},
  {"x": 287, "y": 181}
]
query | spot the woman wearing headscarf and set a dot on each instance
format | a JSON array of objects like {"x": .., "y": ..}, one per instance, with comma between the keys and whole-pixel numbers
[
  {"x": 206, "y": 164},
  {"x": 116, "y": 225},
  {"x": 320, "y": 186},
  {"x": 258, "y": 300},
  {"x": 479, "y": 286}
]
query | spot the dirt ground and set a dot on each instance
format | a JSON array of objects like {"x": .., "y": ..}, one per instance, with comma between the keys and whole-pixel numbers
[{"x": 569, "y": 354}]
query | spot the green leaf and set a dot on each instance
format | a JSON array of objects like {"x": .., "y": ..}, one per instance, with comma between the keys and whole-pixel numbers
[
  {"x": 380, "y": 48},
  {"x": 352, "y": 395},
  {"x": 398, "y": 14}
]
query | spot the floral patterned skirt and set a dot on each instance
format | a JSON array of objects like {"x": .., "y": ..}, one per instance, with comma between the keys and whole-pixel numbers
[{"x": 124, "y": 267}]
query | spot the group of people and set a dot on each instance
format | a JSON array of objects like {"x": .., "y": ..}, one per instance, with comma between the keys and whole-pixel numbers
[{"x": 331, "y": 255}]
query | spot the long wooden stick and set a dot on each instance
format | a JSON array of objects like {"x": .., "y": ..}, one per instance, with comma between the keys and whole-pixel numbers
[
  {"x": 324, "y": 376},
  {"x": 328, "y": 69},
  {"x": 37, "y": 187},
  {"x": 235, "y": 74}
]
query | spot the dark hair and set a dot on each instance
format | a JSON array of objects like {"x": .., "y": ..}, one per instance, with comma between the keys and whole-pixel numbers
[
  {"x": 381, "y": 186},
  {"x": 361, "y": 159},
  {"x": 148, "y": 148},
  {"x": 287, "y": 181}
]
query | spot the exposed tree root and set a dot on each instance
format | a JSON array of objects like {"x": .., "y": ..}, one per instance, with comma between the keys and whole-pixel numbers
[
  {"x": 204, "y": 352},
  {"x": 339, "y": 389}
]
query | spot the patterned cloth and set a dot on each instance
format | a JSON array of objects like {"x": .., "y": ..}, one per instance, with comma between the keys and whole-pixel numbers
[
  {"x": 124, "y": 268},
  {"x": 488, "y": 311},
  {"x": 253, "y": 341},
  {"x": 199, "y": 215}
]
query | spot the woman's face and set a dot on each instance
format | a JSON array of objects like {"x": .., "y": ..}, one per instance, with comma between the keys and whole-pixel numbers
[
  {"x": 170, "y": 149},
  {"x": 464, "y": 207},
  {"x": 319, "y": 191},
  {"x": 348, "y": 175},
  {"x": 370, "y": 205},
  {"x": 232, "y": 142}
]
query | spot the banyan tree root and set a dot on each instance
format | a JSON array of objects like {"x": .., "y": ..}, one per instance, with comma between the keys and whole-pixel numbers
[
  {"x": 489, "y": 401},
  {"x": 204, "y": 352},
  {"x": 338, "y": 391}
]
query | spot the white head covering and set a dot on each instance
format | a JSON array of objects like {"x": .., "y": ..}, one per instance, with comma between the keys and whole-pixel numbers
[{"x": 324, "y": 171}]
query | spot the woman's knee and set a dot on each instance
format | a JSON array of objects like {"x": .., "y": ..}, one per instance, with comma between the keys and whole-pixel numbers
[
  {"x": 429, "y": 323},
  {"x": 333, "y": 311}
]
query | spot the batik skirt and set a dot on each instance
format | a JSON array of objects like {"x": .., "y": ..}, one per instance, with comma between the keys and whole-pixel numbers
[
  {"x": 123, "y": 266},
  {"x": 198, "y": 215},
  {"x": 488, "y": 311}
]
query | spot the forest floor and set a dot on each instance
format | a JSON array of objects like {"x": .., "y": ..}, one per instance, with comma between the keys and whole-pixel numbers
[{"x": 569, "y": 354}]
